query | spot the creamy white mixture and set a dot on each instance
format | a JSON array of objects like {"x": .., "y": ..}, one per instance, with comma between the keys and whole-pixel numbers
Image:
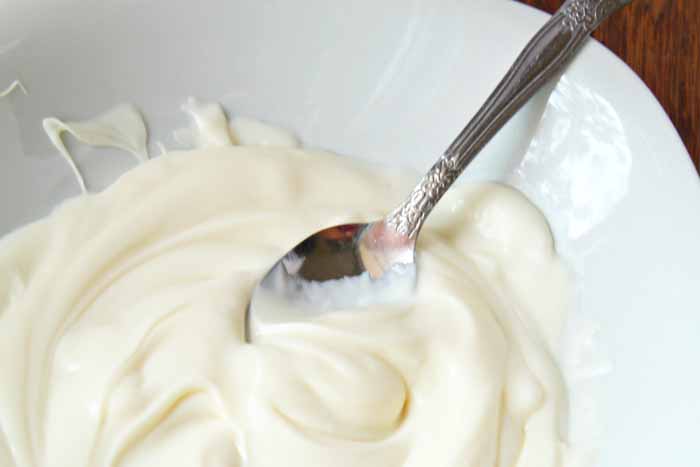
[{"x": 121, "y": 326}]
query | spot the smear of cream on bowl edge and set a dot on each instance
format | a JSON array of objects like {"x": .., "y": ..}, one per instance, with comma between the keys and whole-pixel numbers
[
  {"x": 16, "y": 84},
  {"x": 123, "y": 127}
]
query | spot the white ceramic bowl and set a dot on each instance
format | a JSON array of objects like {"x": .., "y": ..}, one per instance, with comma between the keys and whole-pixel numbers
[{"x": 394, "y": 81}]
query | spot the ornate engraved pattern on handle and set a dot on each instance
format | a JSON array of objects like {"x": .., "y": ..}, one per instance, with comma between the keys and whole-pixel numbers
[
  {"x": 549, "y": 50},
  {"x": 587, "y": 14},
  {"x": 408, "y": 218}
]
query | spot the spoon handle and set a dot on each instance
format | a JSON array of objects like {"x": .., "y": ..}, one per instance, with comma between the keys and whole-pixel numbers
[{"x": 543, "y": 57}]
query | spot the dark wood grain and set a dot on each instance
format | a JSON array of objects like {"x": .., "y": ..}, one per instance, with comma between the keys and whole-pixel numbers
[{"x": 660, "y": 40}]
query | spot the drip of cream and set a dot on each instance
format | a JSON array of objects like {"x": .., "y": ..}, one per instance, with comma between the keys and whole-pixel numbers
[
  {"x": 161, "y": 147},
  {"x": 211, "y": 126},
  {"x": 121, "y": 127},
  {"x": 212, "y": 129},
  {"x": 16, "y": 84},
  {"x": 252, "y": 132}
]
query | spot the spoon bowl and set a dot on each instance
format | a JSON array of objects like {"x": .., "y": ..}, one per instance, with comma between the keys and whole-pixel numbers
[{"x": 339, "y": 267}]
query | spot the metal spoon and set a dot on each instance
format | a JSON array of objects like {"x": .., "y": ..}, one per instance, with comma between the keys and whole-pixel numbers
[{"x": 344, "y": 265}]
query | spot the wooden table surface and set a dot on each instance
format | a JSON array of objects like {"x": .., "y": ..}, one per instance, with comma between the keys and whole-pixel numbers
[{"x": 660, "y": 40}]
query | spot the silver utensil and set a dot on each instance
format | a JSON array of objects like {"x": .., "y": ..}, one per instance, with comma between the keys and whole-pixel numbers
[{"x": 356, "y": 264}]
